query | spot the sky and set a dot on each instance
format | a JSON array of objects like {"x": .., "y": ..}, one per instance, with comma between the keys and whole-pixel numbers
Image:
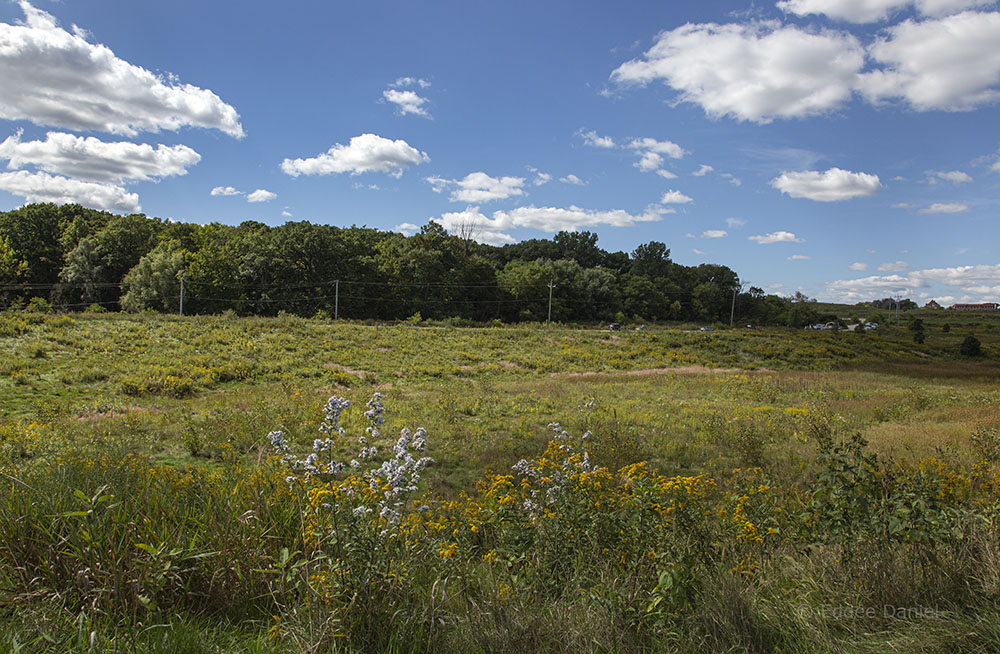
[{"x": 845, "y": 149}]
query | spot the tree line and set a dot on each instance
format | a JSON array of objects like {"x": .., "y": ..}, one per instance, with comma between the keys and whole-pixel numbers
[{"x": 75, "y": 257}]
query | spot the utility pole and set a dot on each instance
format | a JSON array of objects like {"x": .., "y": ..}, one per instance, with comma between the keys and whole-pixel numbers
[
  {"x": 181, "y": 307},
  {"x": 732, "y": 310},
  {"x": 336, "y": 300},
  {"x": 550, "y": 301}
]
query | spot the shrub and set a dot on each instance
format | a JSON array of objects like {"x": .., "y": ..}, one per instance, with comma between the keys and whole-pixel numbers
[
  {"x": 986, "y": 442},
  {"x": 38, "y": 305},
  {"x": 971, "y": 347}
]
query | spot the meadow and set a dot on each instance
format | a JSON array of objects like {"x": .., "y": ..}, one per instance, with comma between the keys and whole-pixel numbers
[{"x": 188, "y": 485}]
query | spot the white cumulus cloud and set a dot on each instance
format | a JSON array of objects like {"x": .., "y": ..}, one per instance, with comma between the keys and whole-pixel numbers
[
  {"x": 593, "y": 139},
  {"x": 799, "y": 257},
  {"x": 894, "y": 266},
  {"x": 666, "y": 148},
  {"x": 572, "y": 179},
  {"x": 945, "y": 207},
  {"x": 976, "y": 283},
  {"x": 476, "y": 226},
  {"x": 951, "y": 63},
  {"x": 364, "y": 154},
  {"x": 776, "y": 237},
  {"x": 261, "y": 195},
  {"x": 225, "y": 190},
  {"x": 703, "y": 170},
  {"x": 90, "y": 159},
  {"x": 854, "y": 11},
  {"x": 833, "y": 185},
  {"x": 714, "y": 233},
  {"x": 754, "y": 72},
  {"x": 403, "y": 82},
  {"x": 479, "y": 187},
  {"x": 407, "y": 102},
  {"x": 871, "y": 11},
  {"x": 52, "y": 77},
  {"x": 406, "y": 229},
  {"x": 42, "y": 187},
  {"x": 495, "y": 230},
  {"x": 858, "y": 266},
  {"x": 953, "y": 176},
  {"x": 675, "y": 197}
]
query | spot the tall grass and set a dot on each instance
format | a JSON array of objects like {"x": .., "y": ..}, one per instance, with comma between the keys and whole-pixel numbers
[{"x": 559, "y": 552}]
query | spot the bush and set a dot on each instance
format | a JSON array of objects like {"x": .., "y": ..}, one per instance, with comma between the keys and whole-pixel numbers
[
  {"x": 971, "y": 347},
  {"x": 38, "y": 305}
]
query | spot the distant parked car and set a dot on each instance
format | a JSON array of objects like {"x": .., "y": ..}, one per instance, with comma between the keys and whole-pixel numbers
[
  {"x": 641, "y": 328},
  {"x": 614, "y": 326},
  {"x": 708, "y": 329}
]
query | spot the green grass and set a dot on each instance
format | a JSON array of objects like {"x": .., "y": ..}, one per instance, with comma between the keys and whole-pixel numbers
[{"x": 198, "y": 544}]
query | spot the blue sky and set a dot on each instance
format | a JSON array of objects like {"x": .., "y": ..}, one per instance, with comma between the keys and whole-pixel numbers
[{"x": 848, "y": 149}]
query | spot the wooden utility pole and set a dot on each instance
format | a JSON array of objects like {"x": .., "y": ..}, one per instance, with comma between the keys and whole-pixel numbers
[
  {"x": 336, "y": 299},
  {"x": 181, "y": 307}
]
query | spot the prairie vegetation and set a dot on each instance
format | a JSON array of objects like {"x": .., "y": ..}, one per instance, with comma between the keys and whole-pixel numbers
[{"x": 185, "y": 485}]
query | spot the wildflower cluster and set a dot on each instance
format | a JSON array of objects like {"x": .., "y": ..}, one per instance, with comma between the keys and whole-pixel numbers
[{"x": 378, "y": 488}]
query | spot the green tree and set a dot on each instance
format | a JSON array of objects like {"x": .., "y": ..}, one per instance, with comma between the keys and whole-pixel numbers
[
  {"x": 95, "y": 268},
  {"x": 971, "y": 347},
  {"x": 154, "y": 282},
  {"x": 651, "y": 260},
  {"x": 13, "y": 269}
]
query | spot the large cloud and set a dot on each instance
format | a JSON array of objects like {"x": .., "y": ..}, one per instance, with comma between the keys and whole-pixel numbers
[
  {"x": 366, "y": 153},
  {"x": 833, "y": 185},
  {"x": 870, "y": 11},
  {"x": 42, "y": 187},
  {"x": 764, "y": 70},
  {"x": 951, "y": 64},
  {"x": 479, "y": 187},
  {"x": 477, "y": 226},
  {"x": 52, "y": 77},
  {"x": 547, "y": 219},
  {"x": 971, "y": 283},
  {"x": 91, "y": 159},
  {"x": 756, "y": 72}
]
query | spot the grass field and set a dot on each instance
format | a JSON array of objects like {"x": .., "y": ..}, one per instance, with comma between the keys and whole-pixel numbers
[{"x": 761, "y": 490}]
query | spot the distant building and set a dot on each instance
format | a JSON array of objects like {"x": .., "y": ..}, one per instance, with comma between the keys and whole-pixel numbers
[
  {"x": 986, "y": 306},
  {"x": 932, "y": 305}
]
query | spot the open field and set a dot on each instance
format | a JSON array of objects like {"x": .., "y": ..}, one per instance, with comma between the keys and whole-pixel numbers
[{"x": 803, "y": 491}]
